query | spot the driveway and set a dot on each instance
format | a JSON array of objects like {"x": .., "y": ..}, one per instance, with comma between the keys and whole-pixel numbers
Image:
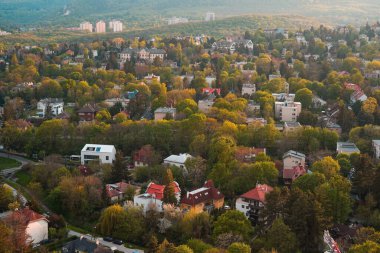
[
  {"x": 104, "y": 243},
  {"x": 22, "y": 160}
]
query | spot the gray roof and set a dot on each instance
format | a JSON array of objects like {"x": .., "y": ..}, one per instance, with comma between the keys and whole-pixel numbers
[
  {"x": 165, "y": 110},
  {"x": 347, "y": 147},
  {"x": 294, "y": 153}
]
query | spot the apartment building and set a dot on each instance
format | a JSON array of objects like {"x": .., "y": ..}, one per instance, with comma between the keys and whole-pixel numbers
[{"x": 287, "y": 111}]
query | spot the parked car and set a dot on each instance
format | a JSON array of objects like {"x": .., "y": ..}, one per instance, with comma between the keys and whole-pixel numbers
[
  {"x": 108, "y": 239},
  {"x": 118, "y": 242}
]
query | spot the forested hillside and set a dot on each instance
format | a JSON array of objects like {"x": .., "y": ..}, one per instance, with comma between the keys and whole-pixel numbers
[{"x": 70, "y": 12}]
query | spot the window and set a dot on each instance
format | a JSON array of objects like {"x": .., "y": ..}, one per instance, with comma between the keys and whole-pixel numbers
[
  {"x": 98, "y": 149},
  {"x": 91, "y": 157},
  {"x": 90, "y": 149},
  {"x": 242, "y": 206},
  {"x": 107, "y": 158}
]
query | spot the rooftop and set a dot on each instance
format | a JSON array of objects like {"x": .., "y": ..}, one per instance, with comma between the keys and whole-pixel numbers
[
  {"x": 258, "y": 193},
  {"x": 294, "y": 153},
  {"x": 347, "y": 147},
  {"x": 181, "y": 158},
  {"x": 98, "y": 148}
]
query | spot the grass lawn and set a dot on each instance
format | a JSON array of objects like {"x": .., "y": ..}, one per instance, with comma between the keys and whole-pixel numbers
[
  {"x": 23, "y": 177},
  {"x": 7, "y": 163}
]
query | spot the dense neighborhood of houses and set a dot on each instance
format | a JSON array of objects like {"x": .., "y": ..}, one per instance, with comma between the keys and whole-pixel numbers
[{"x": 170, "y": 142}]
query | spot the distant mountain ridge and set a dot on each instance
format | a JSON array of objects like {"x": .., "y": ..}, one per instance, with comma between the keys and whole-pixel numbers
[{"x": 51, "y": 12}]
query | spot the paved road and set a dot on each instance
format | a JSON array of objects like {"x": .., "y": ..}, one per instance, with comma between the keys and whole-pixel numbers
[
  {"x": 22, "y": 160},
  {"x": 104, "y": 243}
]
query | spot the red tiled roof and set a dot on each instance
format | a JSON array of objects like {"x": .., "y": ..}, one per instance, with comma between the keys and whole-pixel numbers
[
  {"x": 352, "y": 86},
  {"x": 258, "y": 193},
  {"x": 158, "y": 190},
  {"x": 245, "y": 154},
  {"x": 207, "y": 193},
  {"x": 293, "y": 173},
  {"x": 27, "y": 215},
  {"x": 113, "y": 191},
  {"x": 210, "y": 90}
]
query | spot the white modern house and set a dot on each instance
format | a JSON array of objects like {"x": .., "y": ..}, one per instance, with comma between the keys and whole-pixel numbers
[
  {"x": 55, "y": 105},
  {"x": 177, "y": 160},
  {"x": 102, "y": 153}
]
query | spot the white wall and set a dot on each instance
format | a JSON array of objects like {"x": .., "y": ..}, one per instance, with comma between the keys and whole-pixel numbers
[
  {"x": 38, "y": 231},
  {"x": 102, "y": 156}
]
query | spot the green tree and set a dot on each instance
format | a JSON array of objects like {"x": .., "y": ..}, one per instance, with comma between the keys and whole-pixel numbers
[
  {"x": 110, "y": 219},
  {"x": 335, "y": 198},
  {"x": 233, "y": 222},
  {"x": 305, "y": 96},
  {"x": 169, "y": 191},
  {"x": 281, "y": 238},
  {"x": 238, "y": 247},
  {"x": 6, "y": 197},
  {"x": 367, "y": 247},
  {"x": 119, "y": 170},
  {"x": 327, "y": 166}
]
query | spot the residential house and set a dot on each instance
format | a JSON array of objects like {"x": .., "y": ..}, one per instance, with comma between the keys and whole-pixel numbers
[
  {"x": 88, "y": 112},
  {"x": 178, "y": 160},
  {"x": 248, "y": 154},
  {"x": 82, "y": 245},
  {"x": 105, "y": 154},
  {"x": 334, "y": 127},
  {"x": 112, "y": 101},
  {"x": 292, "y": 159},
  {"x": 225, "y": 46},
  {"x": 376, "y": 148},
  {"x": 116, "y": 192},
  {"x": 375, "y": 74},
  {"x": 289, "y": 175},
  {"x": 151, "y": 77},
  {"x": 346, "y": 148},
  {"x": 284, "y": 97},
  {"x": 287, "y": 111},
  {"x": 165, "y": 113},
  {"x": 36, "y": 225},
  {"x": 209, "y": 91},
  {"x": 248, "y": 44},
  {"x": 357, "y": 94},
  {"x": 54, "y": 105},
  {"x": 318, "y": 102},
  {"x": 153, "y": 197},
  {"x": 252, "y": 202},
  {"x": 206, "y": 198},
  {"x": 248, "y": 89},
  {"x": 274, "y": 76},
  {"x": 291, "y": 126},
  {"x": 205, "y": 105}
]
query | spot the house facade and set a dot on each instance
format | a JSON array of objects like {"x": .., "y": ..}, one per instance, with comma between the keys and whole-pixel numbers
[
  {"x": 105, "y": 154},
  {"x": 203, "y": 199},
  {"x": 153, "y": 197},
  {"x": 287, "y": 111},
  {"x": 252, "y": 202},
  {"x": 163, "y": 113},
  {"x": 248, "y": 89},
  {"x": 88, "y": 112},
  {"x": 55, "y": 105},
  {"x": 177, "y": 160},
  {"x": 292, "y": 159},
  {"x": 36, "y": 225}
]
